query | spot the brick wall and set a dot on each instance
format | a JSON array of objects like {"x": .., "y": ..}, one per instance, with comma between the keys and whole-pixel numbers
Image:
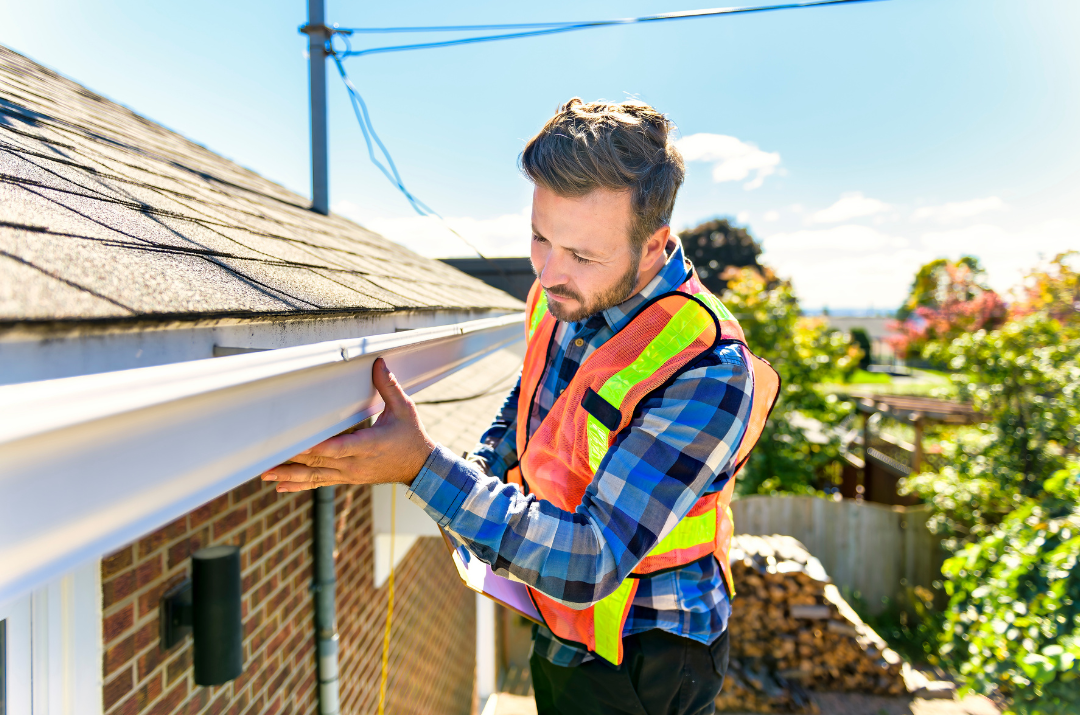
[
  {"x": 433, "y": 636},
  {"x": 274, "y": 534}
]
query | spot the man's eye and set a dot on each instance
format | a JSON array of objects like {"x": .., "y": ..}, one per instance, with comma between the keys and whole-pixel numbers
[
  {"x": 579, "y": 259},
  {"x": 539, "y": 239}
]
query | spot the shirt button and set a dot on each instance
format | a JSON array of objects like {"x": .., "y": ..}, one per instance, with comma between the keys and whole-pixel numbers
[{"x": 579, "y": 342}]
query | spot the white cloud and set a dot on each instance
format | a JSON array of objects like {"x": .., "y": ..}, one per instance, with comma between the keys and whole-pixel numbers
[
  {"x": 958, "y": 210},
  {"x": 854, "y": 266},
  {"x": 743, "y": 217},
  {"x": 506, "y": 235},
  {"x": 1006, "y": 255},
  {"x": 732, "y": 159},
  {"x": 850, "y": 205},
  {"x": 772, "y": 216},
  {"x": 849, "y": 238}
]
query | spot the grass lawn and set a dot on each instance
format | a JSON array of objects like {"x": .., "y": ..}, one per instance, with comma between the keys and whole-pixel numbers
[{"x": 862, "y": 377}]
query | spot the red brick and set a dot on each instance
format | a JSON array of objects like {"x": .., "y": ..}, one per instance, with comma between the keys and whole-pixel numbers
[
  {"x": 278, "y": 681},
  {"x": 265, "y": 501},
  {"x": 274, "y": 604},
  {"x": 172, "y": 700},
  {"x": 247, "y": 583},
  {"x": 265, "y": 589},
  {"x": 274, "y": 646},
  {"x": 116, "y": 562},
  {"x": 113, "y": 626},
  {"x": 277, "y": 516},
  {"x": 178, "y": 666},
  {"x": 257, "y": 549},
  {"x": 148, "y": 633},
  {"x": 118, "y": 655},
  {"x": 253, "y": 623},
  {"x": 256, "y": 707},
  {"x": 251, "y": 668},
  {"x": 245, "y": 490},
  {"x": 197, "y": 703},
  {"x": 230, "y": 521},
  {"x": 239, "y": 704},
  {"x": 147, "y": 571},
  {"x": 118, "y": 687},
  {"x": 219, "y": 705},
  {"x": 118, "y": 588},
  {"x": 262, "y": 636},
  {"x": 275, "y": 705},
  {"x": 167, "y": 533},
  {"x": 150, "y": 660},
  {"x": 208, "y": 511}
]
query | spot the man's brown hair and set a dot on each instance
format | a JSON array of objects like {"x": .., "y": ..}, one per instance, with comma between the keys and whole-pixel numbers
[{"x": 624, "y": 146}]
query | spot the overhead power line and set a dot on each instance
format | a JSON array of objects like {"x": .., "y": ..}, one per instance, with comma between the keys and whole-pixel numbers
[
  {"x": 533, "y": 29},
  {"x": 551, "y": 28}
]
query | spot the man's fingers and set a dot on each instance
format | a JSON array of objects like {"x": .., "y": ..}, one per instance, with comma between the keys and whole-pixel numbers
[
  {"x": 397, "y": 402},
  {"x": 302, "y": 473}
]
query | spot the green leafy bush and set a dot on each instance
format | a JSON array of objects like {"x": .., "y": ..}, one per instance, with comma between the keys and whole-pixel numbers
[
  {"x": 794, "y": 454},
  {"x": 1025, "y": 379},
  {"x": 1012, "y": 624}
]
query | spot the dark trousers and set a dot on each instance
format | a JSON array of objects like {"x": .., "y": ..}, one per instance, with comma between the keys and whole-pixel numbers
[{"x": 661, "y": 674}]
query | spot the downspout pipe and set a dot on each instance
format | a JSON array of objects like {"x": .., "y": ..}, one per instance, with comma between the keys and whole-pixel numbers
[{"x": 325, "y": 588}]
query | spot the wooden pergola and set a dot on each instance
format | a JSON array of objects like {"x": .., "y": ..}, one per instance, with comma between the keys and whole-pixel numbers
[{"x": 893, "y": 457}]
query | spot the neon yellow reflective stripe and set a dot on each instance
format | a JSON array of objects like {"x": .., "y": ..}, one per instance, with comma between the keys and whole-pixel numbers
[
  {"x": 689, "y": 532},
  {"x": 683, "y": 328},
  {"x": 608, "y": 621},
  {"x": 598, "y": 441},
  {"x": 538, "y": 313},
  {"x": 721, "y": 311}
]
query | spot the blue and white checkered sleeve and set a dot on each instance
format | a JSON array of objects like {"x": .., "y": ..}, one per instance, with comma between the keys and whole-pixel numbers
[
  {"x": 681, "y": 440},
  {"x": 498, "y": 446}
]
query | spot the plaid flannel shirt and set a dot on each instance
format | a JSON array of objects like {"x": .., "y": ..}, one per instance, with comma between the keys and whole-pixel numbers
[{"x": 679, "y": 446}]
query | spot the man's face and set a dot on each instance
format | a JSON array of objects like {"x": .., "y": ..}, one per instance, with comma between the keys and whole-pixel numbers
[{"x": 581, "y": 251}]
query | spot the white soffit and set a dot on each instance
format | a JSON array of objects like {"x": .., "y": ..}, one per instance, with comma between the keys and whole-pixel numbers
[{"x": 90, "y": 463}]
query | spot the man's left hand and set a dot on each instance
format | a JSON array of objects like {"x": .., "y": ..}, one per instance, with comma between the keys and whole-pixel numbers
[{"x": 393, "y": 450}]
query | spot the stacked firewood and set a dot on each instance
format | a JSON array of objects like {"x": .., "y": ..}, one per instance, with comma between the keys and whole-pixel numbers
[{"x": 792, "y": 632}]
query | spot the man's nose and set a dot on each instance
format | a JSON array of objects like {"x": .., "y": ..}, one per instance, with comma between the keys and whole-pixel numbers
[{"x": 553, "y": 272}]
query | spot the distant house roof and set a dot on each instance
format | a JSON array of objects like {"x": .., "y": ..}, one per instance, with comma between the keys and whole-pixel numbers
[
  {"x": 513, "y": 275},
  {"x": 105, "y": 215}
]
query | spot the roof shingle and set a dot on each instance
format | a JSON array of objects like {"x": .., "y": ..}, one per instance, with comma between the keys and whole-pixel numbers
[{"x": 105, "y": 214}]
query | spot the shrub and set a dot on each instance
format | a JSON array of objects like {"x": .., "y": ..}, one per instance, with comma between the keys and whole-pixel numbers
[{"x": 1013, "y": 616}]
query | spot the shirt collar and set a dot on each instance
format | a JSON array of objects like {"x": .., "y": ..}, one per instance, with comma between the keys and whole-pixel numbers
[{"x": 670, "y": 277}]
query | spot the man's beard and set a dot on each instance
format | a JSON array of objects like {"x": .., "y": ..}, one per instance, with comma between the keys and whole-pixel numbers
[{"x": 623, "y": 289}]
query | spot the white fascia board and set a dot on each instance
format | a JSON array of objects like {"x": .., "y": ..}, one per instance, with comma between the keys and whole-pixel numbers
[
  {"x": 90, "y": 463},
  {"x": 30, "y": 352}
]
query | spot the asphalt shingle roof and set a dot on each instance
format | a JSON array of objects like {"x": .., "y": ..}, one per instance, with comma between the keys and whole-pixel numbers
[{"x": 107, "y": 215}]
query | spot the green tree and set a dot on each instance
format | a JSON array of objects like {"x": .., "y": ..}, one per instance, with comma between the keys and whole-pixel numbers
[
  {"x": 716, "y": 246},
  {"x": 794, "y": 453}
]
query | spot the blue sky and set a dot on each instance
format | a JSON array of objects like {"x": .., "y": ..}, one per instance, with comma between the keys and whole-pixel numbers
[{"x": 857, "y": 141}]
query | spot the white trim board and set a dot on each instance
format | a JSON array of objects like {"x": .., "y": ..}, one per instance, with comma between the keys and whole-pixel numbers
[
  {"x": 90, "y": 463},
  {"x": 30, "y": 352}
]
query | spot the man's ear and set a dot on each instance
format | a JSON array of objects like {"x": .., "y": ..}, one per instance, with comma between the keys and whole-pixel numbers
[{"x": 653, "y": 250}]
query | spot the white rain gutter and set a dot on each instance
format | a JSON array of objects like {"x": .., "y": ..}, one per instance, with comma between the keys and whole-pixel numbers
[{"x": 90, "y": 463}]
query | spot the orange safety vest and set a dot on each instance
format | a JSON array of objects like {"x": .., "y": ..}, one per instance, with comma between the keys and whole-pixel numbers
[{"x": 558, "y": 462}]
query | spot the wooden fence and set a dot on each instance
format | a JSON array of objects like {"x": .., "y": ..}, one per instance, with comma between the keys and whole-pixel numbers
[{"x": 879, "y": 552}]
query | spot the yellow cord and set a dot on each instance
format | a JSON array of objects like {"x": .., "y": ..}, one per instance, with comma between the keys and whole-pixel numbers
[{"x": 389, "y": 604}]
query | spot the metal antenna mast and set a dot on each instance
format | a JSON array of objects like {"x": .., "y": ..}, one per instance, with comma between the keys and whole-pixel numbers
[{"x": 318, "y": 37}]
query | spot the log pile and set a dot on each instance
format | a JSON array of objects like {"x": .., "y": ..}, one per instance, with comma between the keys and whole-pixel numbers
[{"x": 792, "y": 632}]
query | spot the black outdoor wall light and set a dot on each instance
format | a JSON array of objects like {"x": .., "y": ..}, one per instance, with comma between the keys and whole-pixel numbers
[{"x": 208, "y": 606}]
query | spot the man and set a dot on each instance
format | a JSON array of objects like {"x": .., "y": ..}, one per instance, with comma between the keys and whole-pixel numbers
[{"x": 603, "y": 483}]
